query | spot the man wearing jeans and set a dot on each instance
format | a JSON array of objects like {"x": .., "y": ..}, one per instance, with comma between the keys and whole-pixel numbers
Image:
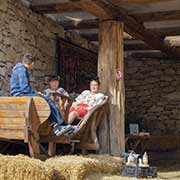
[{"x": 20, "y": 86}]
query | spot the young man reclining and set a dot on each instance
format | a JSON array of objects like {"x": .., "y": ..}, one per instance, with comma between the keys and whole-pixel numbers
[
  {"x": 20, "y": 86},
  {"x": 86, "y": 101}
]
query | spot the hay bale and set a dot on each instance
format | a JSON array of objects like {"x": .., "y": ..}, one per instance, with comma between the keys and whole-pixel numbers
[
  {"x": 22, "y": 167},
  {"x": 108, "y": 164},
  {"x": 78, "y": 167},
  {"x": 100, "y": 176}
]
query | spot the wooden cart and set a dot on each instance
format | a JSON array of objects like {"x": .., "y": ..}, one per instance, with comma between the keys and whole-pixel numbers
[{"x": 26, "y": 118}]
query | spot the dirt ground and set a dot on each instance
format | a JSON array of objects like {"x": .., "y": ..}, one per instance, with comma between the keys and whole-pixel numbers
[{"x": 167, "y": 170}]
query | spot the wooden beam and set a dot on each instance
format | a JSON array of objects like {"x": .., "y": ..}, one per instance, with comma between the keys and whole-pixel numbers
[
  {"x": 158, "y": 16},
  {"x": 56, "y": 8},
  {"x": 111, "y": 58},
  {"x": 94, "y": 8},
  {"x": 106, "y": 10},
  {"x": 90, "y": 37},
  {"x": 138, "y": 1},
  {"x": 148, "y": 54},
  {"x": 84, "y": 24},
  {"x": 135, "y": 45},
  {"x": 171, "y": 31},
  {"x": 94, "y": 36},
  {"x": 128, "y": 44}
]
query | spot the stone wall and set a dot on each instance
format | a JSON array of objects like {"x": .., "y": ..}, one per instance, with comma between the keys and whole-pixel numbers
[
  {"x": 152, "y": 93},
  {"x": 23, "y": 31},
  {"x": 152, "y": 85}
]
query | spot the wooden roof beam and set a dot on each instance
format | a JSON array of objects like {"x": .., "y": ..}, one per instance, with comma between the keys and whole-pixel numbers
[
  {"x": 94, "y": 36},
  {"x": 53, "y": 8},
  {"x": 158, "y": 16},
  {"x": 128, "y": 44},
  {"x": 138, "y": 1},
  {"x": 107, "y": 10},
  {"x": 90, "y": 37},
  {"x": 169, "y": 31},
  {"x": 135, "y": 45},
  {"x": 84, "y": 24}
]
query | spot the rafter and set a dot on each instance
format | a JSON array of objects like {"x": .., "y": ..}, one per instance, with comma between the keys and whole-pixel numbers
[
  {"x": 106, "y": 10},
  {"x": 56, "y": 7},
  {"x": 138, "y": 1},
  {"x": 90, "y": 37},
  {"x": 158, "y": 16},
  {"x": 84, "y": 24},
  {"x": 169, "y": 31},
  {"x": 94, "y": 36},
  {"x": 135, "y": 45},
  {"x": 93, "y": 7}
]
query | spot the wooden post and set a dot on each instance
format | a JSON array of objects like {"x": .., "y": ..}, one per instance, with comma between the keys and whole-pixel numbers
[
  {"x": 52, "y": 149},
  {"x": 111, "y": 58},
  {"x": 32, "y": 125}
]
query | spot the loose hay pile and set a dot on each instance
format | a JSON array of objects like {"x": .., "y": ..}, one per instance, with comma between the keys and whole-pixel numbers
[
  {"x": 24, "y": 168},
  {"x": 78, "y": 167}
]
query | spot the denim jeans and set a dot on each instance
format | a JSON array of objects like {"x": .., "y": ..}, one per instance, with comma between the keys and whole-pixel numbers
[{"x": 55, "y": 116}]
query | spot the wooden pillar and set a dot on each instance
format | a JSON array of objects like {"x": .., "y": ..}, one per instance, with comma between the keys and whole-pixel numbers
[{"x": 111, "y": 58}]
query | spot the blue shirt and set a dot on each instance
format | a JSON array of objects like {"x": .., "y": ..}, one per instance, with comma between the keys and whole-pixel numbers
[{"x": 19, "y": 82}]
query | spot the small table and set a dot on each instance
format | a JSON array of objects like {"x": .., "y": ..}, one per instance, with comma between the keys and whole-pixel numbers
[{"x": 133, "y": 141}]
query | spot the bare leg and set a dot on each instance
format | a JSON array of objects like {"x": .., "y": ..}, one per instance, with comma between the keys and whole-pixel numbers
[{"x": 72, "y": 116}]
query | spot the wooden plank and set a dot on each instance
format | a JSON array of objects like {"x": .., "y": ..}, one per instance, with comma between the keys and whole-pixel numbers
[
  {"x": 42, "y": 109},
  {"x": 6, "y": 120},
  {"x": 149, "y": 54},
  {"x": 106, "y": 10},
  {"x": 83, "y": 24},
  {"x": 58, "y": 139},
  {"x": 90, "y": 37},
  {"x": 158, "y": 16},
  {"x": 134, "y": 45},
  {"x": 94, "y": 36},
  {"x": 51, "y": 149},
  {"x": 22, "y": 106},
  {"x": 17, "y": 114},
  {"x": 12, "y": 134},
  {"x": 171, "y": 31},
  {"x": 118, "y": 2},
  {"x": 110, "y": 58},
  {"x": 86, "y": 146},
  {"x": 94, "y": 8},
  {"x": 12, "y": 126},
  {"x": 23, "y": 99},
  {"x": 56, "y": 8}
]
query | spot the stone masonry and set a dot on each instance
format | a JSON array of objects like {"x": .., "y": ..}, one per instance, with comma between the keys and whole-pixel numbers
[
  {"x": 23, "y": 31},
  {"x": 152, "y": 85},
  {"x": 153, "y": 93}
]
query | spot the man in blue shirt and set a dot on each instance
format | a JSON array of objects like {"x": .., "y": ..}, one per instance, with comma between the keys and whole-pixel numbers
[{"x": 20, "y": 86}]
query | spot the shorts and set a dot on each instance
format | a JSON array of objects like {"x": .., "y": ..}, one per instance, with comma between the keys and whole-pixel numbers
[{"x": 81, "y": 109}]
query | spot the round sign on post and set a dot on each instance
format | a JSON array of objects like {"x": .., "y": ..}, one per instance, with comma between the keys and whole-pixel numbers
[{"x": 119, "y": 74}]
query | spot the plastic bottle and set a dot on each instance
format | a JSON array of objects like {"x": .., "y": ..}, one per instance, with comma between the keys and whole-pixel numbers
[
  {"x": 140, "y": 162},
  {"x": 145, "y": 159}
]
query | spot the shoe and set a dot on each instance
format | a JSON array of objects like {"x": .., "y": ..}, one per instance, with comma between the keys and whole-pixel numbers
[
  {"x": 60, "y": 130},
  {"x": 72, "y": 131}
]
